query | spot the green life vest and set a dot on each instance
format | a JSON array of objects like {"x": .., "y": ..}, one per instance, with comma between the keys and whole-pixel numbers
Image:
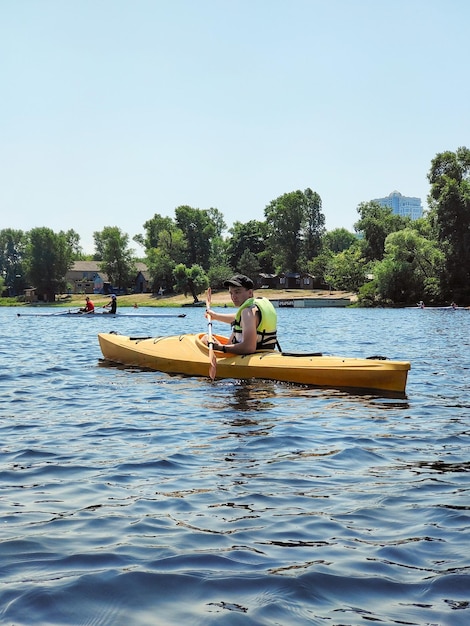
[{"x": 266, "y": 330}]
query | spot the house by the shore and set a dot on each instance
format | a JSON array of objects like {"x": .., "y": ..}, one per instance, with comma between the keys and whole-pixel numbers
[{"x": 87, "y": 277}]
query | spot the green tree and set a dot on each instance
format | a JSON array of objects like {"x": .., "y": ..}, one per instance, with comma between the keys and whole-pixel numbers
[
  {"x": 420, "y": 262},
  {"x": 338, "y": 240},
  {"x": 320, "y": 266},
  {"x": 315, "y": 225},
  {"x": 117, "y": 260},
  {"x": 218, "y": 221},
  {"x": 286, "y": 219},
  {"x": 154, "y": 227},
  {"x": 160, "y": 266},
  {"x": 449, "y": 200},
  {"x": 192, "y": 279},
  {"x": 347, "y": 270},
  {"x": 368, "y": 294},
  {"x": 198, "y": 228},
  {"x": 409, "y": 270},
  {"x": 251, "y": 236},
  {"x": 173, "y": 244},
  {"x": 393, "y": 281},
  {"x": 249, "y": 265},
  {"x": 167, "y": 250},
  {"x": 73, "y": 241},
  {"x": 218, "y": 274},
  {"x": 12, "y": 252},
  {"x": 375, "y": 224},
  {"x": 295, "y": 228},
  {"x": 48, "y": 259}
]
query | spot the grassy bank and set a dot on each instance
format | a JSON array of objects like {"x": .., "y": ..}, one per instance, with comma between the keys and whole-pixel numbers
[{"x": 219, "y": 298}]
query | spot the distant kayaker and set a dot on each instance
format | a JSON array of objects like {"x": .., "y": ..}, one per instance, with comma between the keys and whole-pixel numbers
[
  {"x": 254, "y": 324},
  {"x": 89, "y": 306},
  {"x": 112, "y": 304}
]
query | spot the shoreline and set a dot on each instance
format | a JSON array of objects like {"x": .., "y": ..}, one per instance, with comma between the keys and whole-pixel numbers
[{"x": 219, "y": 298}]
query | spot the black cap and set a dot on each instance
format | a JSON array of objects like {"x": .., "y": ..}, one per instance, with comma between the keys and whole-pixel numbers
[{"x": 239, "y": 280}]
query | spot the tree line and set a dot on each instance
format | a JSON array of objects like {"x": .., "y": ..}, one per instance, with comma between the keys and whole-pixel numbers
[{"x": 389, "y": 259}]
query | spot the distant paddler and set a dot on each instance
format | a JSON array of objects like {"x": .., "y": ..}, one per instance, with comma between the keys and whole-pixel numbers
[
  {"x": 89, "y": 306},
  {"x": 112, "y": 304}
]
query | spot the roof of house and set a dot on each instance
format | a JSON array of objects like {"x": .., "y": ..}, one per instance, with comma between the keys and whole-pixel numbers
[
  {"x": 85, "y": 266},
  {"x": 94, "y": 266}
]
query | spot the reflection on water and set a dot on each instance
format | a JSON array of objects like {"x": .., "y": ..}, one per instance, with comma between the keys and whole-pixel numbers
[
  {"x": 252, "y": 396},
  {"x": 441, "y": 467},
  {"x": 134, "y": 497}
]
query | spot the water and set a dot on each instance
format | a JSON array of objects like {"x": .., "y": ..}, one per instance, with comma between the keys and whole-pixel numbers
[{"x": 138, "y": 498}]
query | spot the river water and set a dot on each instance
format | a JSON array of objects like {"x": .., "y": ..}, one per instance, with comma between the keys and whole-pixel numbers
[{"x": 136, "y": 498}]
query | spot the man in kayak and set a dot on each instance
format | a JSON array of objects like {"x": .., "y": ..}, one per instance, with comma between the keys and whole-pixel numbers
[
  {"x": 112, "y": 304},
  {"x": 254, "y": 324},
  {"x": 89, "y": 306}
]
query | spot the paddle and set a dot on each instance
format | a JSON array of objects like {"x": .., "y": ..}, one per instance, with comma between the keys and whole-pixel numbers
[
  {"x": 210, "y": 339},
  {"x": 46, "y": 314}
]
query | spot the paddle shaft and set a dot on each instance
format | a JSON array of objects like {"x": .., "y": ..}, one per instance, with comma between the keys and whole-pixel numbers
[{"x": 210, "y": 339}]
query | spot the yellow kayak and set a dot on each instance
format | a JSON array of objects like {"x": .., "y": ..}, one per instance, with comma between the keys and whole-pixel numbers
[{"x": 187, "y": 354}]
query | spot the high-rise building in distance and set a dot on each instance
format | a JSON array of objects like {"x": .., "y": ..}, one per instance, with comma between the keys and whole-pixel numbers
[{"x": 402, "y": 205}]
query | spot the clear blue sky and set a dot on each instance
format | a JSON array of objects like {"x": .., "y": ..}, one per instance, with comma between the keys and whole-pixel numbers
[{"x": 114, "y": 110}]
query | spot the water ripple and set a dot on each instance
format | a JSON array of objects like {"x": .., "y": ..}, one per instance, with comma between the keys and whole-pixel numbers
[{"x": 132, "y": 497}]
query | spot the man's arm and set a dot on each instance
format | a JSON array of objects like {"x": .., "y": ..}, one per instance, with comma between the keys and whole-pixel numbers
[
  {"x": 249, "y": 323},
  {"x": 228, "y": 318}
]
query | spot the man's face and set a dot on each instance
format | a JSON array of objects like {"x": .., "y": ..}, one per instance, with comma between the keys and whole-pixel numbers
[{"x": 239, "y": 295}]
